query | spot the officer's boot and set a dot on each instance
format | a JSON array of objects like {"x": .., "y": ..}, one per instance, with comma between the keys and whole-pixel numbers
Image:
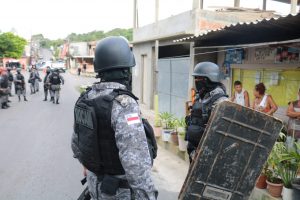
[
  {"x": 19, "y": 98},
  {"x": 57, "y": 101},
  {"x": 3, "y": 106},
  {"x": 45, "y": 98},
  {"x": 25, "y": 99}
]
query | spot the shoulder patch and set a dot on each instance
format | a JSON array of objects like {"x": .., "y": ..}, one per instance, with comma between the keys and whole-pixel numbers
[{"x": 133, "y": 118}]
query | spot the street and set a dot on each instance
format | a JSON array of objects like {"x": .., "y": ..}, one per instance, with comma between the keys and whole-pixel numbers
[{"x": 36, "y": 157}]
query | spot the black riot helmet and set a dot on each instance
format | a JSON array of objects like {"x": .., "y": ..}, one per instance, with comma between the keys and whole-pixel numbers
[
  {"x": 113, "y": 53},
  {"x": 209, "y": 70},
  {"x": 207, "y": 77}
]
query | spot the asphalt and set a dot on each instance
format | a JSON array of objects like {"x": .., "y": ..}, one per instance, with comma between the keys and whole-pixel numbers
[{"x": 35, "y": 155}]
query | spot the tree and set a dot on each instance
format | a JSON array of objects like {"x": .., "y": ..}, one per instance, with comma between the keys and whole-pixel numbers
[{"x": 11, "y": 45}]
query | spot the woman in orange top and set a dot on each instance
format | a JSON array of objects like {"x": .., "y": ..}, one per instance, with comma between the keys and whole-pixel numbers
[{"x": 263, "y": 102}]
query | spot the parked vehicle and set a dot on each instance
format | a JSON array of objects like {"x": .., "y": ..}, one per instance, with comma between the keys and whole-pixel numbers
[{"x": 60, "y": 65}]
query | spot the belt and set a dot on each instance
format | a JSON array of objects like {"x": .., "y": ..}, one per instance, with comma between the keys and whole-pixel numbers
[{"x": 122, "y": 182}]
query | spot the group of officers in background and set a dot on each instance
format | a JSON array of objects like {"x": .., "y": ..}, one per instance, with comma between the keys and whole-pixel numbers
[{"x": 52, "y": 82}]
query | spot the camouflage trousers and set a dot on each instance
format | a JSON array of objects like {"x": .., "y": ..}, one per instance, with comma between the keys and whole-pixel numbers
[
  {"x": 55, "y": 91},
  {"x": 94, "y": 188}
]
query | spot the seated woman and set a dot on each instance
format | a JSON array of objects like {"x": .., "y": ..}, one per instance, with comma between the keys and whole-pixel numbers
[
  {"x": 263, "y": 102},
  {"x": 293, "y": 112}
]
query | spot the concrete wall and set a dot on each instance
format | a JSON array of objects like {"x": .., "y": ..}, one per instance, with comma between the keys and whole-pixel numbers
[
  {"x": 144, "y": 50},
  {"x": 79, "y": 49},
  {"x": 176, "y": 27},
  {"x": 181, "y": 24}
]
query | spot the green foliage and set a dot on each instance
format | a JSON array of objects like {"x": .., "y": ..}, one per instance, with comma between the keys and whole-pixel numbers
[
  {"x": 11, "y": 45},
  {"x": 98, "y": 35},
  {"x": 47, "y": 43},
  {"x": 274, "y": 160},
  {"x": 167, "y": 120},
  {"x": 284, "y": 164}
]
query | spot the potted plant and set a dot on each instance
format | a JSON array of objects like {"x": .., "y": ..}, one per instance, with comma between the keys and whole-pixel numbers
[
  {"x": 261, "y": 182},
  {"x": 166, "y": 120},
  {"x": 174, "y": 134},
  {"x": 157, "y": 128},
  {"x": 181, "y": 129},
  {"x": 288, "y": 171},
  {"x": 274, "y": 181}
]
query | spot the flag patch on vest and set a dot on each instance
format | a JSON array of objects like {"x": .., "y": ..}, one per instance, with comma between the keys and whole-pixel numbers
[
  {"x": 133, "y": 119},
  {"x": 84, "y": 117}
]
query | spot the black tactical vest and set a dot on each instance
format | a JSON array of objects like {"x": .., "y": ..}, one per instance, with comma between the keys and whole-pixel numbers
[
  {"x": 4, "y": 81},
  {"x": 95, "y": 145},
  {"x": 93, "y": 141},
  {"x": 20, "y": 77},
  {"x": 196, "y": 122},
  {"x": 55, "y": 79}
]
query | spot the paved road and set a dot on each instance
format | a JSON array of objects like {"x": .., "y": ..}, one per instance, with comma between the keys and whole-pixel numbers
[{"x": 36, "y": 159}]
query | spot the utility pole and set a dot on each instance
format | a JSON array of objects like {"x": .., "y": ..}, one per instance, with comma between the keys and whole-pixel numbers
[
  {"x": 134, "y": 14},
  {"x": 236, "y": 3},
  {"x": 198, "y": 4},
  {"x": 156, "y": 10},
  {"x": 294, "y": 6},
  {"x": 264, "y": 4}
]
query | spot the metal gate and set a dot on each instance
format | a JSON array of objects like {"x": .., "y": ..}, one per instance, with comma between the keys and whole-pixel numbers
[{"x": 173, "y": 83}]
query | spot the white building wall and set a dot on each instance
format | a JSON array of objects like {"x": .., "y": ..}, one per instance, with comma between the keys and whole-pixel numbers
[{"x": 142, "y": 76}]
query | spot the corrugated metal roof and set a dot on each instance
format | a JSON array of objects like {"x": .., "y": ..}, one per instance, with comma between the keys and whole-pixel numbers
[{"x": 288, "y": 23}]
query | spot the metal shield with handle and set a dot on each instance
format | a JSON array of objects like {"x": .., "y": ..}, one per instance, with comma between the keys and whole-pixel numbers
[{"x": 231, "y": 155}]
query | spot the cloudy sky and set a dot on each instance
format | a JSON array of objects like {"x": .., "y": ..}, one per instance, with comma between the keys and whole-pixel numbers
[{"x": 57, "y": 18}]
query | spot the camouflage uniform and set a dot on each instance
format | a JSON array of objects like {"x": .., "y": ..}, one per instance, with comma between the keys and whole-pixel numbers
[
  {"x": 133, "y": 149},
  {"x": 54, "y": 88}
]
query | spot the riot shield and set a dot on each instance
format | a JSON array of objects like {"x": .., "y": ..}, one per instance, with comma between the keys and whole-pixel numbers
[{"x": 231, "y": 154}]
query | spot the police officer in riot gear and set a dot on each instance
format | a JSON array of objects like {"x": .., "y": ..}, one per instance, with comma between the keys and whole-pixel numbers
[
  {"x": 46, "y": 83},
  {"x": 4, "y": 88},
  {"x": 118, "y": 164},
  {"x": 55, "y": 80},
  {"x": 20, "y": 85},
  {"x": 10, "y": 80},
  {"x": 210, "y": 92}
]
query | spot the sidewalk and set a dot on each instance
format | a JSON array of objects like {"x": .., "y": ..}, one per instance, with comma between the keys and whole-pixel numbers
[
  {"x": 84, "y": 74},
  {"x": 169, "y": 172}
]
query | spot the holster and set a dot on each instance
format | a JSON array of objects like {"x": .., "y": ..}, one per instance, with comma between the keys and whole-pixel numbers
[{"x": 111, "y": 184}]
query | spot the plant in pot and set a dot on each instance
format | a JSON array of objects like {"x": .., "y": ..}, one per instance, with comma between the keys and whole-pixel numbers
[
  {"x": 261, "y": 182},
  {"x": 274, "y": 181},
  {"x": 157, "y": 128},
  {"x": 166, "y": 120},
  {"x": 288, "y": 171},
  {"x": 174, "y": 134},
  {"x": 181, "y": 129}
]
